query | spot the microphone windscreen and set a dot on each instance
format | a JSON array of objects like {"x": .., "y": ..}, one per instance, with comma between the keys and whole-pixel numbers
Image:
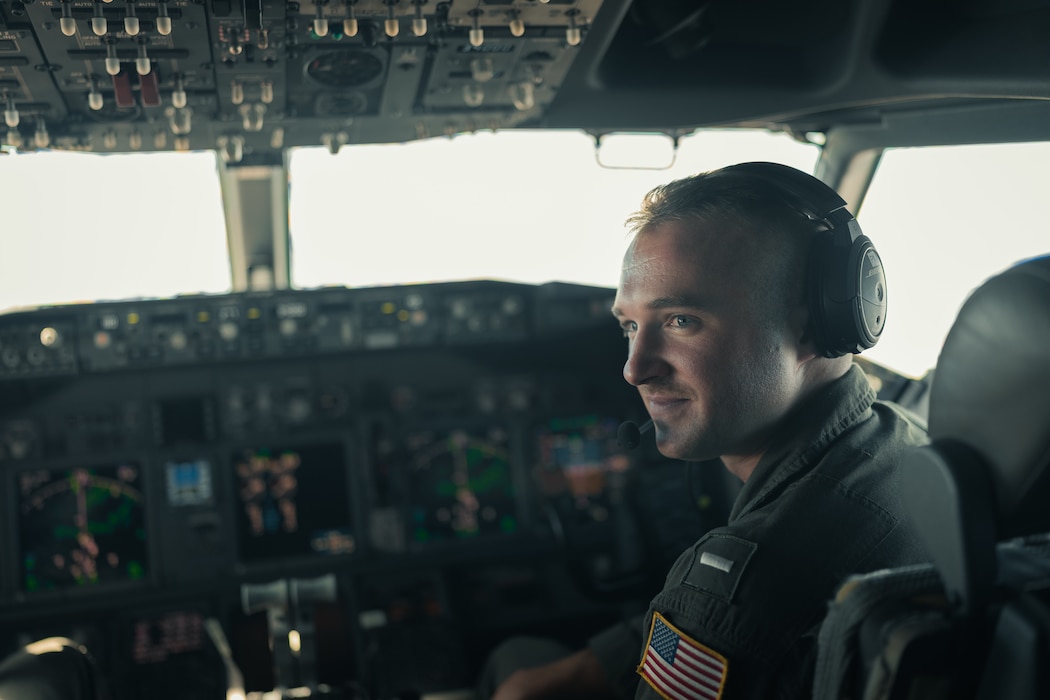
[{"x": 628, "y": 436}]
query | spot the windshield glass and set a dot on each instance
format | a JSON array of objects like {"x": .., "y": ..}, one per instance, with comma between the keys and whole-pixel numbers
[
  {"x": 524, "y": 206},
  {"x": 518, "y": 206},
  {"x": 944, "y": 220},
  {"x": 85, "y": 227}
]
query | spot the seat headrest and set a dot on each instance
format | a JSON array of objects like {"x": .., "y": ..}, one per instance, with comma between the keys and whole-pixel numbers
[{"x": 991, "y": 391}]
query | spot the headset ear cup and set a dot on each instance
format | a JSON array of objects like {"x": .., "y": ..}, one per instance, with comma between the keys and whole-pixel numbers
[
  {"x": 850, "y": 296},
  {"x": 846, "y": 284},
  {"x": 871, "y": 303}
]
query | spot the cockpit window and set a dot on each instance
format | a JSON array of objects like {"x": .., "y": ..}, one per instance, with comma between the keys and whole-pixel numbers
[
  {"x": 85, "y": 227},
  {"x": 944, "y": 220},
  {"x": 519, "y": 206}
]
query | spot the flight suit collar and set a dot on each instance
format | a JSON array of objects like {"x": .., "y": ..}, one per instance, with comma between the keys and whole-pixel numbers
[{"x": 804, "y": 436}]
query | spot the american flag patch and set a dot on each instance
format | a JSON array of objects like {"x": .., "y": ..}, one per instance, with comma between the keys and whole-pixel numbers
[{"x": 679, "y": 668}]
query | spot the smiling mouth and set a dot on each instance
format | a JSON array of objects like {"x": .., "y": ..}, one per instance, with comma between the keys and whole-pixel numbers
[{"x": 663, "y": 404}]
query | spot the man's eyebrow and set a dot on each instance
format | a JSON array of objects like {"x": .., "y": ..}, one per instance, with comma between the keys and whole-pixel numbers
[
  {"x": 669, "y": 302},
  {"x": 677, "y": 302}
]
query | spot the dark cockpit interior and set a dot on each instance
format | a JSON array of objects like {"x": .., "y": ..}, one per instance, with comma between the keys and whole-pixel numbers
[{"x": 360, "y": 491}]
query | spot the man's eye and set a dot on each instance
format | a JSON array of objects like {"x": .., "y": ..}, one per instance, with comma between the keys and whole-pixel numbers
[
  {"x": 628, "y": 328},
  {"x": 681, "y": 321}
]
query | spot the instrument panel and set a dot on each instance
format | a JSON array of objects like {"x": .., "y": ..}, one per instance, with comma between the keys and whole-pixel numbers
[{"x": 442, "y": 457}]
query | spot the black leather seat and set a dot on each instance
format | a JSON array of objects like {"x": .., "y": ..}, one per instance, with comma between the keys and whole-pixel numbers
[
  {"x": 976, "y": 621},
  {"x": 55, "y": 668}
]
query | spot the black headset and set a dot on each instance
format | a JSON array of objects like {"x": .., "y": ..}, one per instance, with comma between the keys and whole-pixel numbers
[{"x": 846, "y": 283}]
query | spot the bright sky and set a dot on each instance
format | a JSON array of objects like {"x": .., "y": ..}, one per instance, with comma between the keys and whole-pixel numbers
[{"x": 517, "y": 206}]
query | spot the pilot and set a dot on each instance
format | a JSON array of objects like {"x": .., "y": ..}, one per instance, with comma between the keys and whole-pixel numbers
[{"x": 741, "y": 351}]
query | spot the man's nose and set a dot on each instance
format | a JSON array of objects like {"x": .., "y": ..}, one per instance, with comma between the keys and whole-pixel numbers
[{"x": 645, "y": 360}]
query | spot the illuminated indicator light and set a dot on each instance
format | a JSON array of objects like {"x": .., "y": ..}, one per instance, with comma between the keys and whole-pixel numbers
[
  {"x": 388, "y": 307},
  {"x": 476, "y": 34},
  {"x": 14, "y": 138},
  {"x": 41, "y": 138},
  {"x": 48, "y": 337},
  {"x": 178, "y": 95},
  {"x": 102, "y": 340},
  {"x": 419, "y": 22},
  {"x": 99, "y": 25},
  {"x": 320, "y": 26},
  {"x": 67, "y": 24},
  {"x": 236, "y": 92},
  {"x": 294, "y": 641},
  {"x": 572, "y": 32},
  {"x": 11, "y": 116},
  {"x": 517, "y": 26},
  {"x": 109, "y": 140},
  {"x": 131, "y": 22},
  {"x": 203, "y": 317},
  {"x": 419, "y": 317},
  {"x": 391, "y": 26},
  {"x": 112, "y": 62},
  {"x": 133, "y": 318},
  {"x": 254, "y": 313},
  {"x": 402, "y": 315},
  {"x": 350, "y": 26},
  {"x": 142, "y": 63},
  {"x": 95, "y": 101},
  {"x": 163, "y": 19}
]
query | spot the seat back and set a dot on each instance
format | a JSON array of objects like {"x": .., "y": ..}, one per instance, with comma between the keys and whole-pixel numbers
[
  {"x": 55, "y": 668},
  {"x": 976, "y": 621}
]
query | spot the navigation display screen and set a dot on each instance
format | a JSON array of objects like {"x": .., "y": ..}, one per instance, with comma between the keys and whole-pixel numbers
[
  {"x": 579, "y": 463},
  {"x": 81, "y": 527},
  {"x": 460, "y": 483},
  {"x": 293, "y": 502},
  {"x": 188, "y": 482}
]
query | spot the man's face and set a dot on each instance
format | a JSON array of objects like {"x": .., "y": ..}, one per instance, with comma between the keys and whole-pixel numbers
[{"x": 715, "y": 370}]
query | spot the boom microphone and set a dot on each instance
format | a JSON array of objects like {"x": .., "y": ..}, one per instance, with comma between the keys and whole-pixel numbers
[{"x": 629, "y": 435}]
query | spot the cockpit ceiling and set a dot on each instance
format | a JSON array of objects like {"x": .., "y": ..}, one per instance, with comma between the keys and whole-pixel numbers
[{"x": 252, "y": 77}]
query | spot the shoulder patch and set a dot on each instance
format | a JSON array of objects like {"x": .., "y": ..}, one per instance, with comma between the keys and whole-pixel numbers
[
  {"x": 679, "y": 667},
  {"x": 718, "y": 563}
]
